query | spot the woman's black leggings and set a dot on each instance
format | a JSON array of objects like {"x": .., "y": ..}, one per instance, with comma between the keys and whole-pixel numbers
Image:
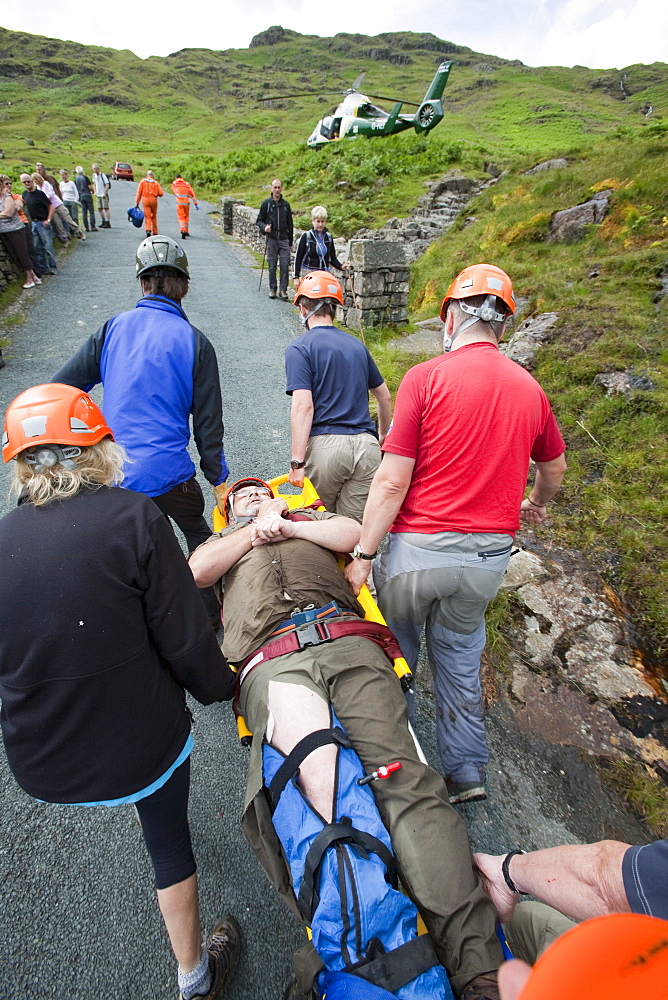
[{"x": 164, "y": 823}]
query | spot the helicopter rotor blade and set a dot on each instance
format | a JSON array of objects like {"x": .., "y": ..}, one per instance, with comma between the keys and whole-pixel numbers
[
  {"x": 302, "y": 93},
  {"x": 358, "y": 81},
  {"x": 381, "y": 97}
]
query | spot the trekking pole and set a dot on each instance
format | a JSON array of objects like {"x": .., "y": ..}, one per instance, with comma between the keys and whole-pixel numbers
[
  {"x": 264, "y": 257},
  {"x": 352, "y": 289}
]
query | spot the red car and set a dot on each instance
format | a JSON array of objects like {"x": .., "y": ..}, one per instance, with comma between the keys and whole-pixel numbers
[{"x": 122, "y": 172}]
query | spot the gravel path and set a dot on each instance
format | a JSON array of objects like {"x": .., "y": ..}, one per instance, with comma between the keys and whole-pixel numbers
[{"x": 78, "y": 911}]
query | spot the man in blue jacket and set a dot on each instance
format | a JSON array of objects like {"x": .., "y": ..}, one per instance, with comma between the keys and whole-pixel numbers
[{"x": 157, "y": 369}]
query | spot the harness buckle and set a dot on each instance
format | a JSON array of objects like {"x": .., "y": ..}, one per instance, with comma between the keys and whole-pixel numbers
[{"x": 310, "y": 634}]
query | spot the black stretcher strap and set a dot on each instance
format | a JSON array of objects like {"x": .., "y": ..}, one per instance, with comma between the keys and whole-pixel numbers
[
  {"x": 308, "y": 894},
  {"x": 395, "y": 968},
  {"x": 299, "y": 753}
]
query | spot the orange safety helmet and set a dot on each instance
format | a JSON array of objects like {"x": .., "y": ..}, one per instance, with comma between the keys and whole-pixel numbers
[
  {"x": 616, "y": 957},
  {"x": 52, "y": 414},
  {"x": 240, "y": 483},
  {"x": 481, "y": 279},
  {"x": 319, "y": 285}
]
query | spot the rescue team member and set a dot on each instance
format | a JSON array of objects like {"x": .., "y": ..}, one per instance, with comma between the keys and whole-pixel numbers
[
  {"x": 148, "y": 192},
  {"x": 271, "y": 565},
  {"x": 315, "y": 250},
  {"x": 450, "y": 491},
  {"x": 93, "y": 689},
  {"x": 157, "y": 369},
  {"x": 184, "y": 193},
  {"x": 329, "y": 376},
  {"x": 618, "y": 957},
  {"x": 274, "y": 221}
]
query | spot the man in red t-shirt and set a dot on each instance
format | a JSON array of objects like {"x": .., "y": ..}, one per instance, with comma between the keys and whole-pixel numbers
[{"x": 450, "y": 490}]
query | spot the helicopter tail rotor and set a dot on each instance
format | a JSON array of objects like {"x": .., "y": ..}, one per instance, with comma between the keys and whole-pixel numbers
[{"x": 428, "y": 115}]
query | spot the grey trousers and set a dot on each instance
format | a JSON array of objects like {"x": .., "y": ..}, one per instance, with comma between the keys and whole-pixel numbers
[
  {"x": 428, "y": 836},
  {"x": 444, "y": 583},
  {"x": 278, "y": 252}
]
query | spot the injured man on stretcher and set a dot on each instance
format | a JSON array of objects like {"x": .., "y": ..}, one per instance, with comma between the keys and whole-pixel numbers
[{"x": 336, "y": 850}]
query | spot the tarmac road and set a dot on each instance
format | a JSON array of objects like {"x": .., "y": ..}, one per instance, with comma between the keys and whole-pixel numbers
[{"x": 78, "y": 913}]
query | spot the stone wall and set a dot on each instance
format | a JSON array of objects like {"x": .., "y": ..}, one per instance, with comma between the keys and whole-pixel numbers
[
  {"x": 376, "y": 288},
  {"x": 8, "y": 269}
]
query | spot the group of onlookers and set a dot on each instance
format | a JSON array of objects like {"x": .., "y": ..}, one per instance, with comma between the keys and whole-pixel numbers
[{"x": 46, "y": 205}]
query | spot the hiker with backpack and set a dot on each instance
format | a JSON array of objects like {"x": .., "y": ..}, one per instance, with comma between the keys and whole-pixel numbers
[{"x": 315, "y": 250}]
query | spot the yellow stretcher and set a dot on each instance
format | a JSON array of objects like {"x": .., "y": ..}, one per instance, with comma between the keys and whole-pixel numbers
[{"x": 307, "y": 498}]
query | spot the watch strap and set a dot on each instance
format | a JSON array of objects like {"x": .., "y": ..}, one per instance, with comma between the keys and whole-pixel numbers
[
  {"x": 506, "y": 873},
  {"x": 358, "y": 554}
]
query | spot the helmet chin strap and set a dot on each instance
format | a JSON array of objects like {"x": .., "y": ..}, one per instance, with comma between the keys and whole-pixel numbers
[
  {"x": 486, "y": 313},
  {"x": 306, "y": 318}
]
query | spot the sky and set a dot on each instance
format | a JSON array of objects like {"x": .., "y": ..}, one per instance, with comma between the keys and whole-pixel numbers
[{"x": 596, "y": 33}]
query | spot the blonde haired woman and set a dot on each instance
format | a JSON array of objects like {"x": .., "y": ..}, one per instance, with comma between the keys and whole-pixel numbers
[
  {"x": 93, "y": 693},
  {"x": 315, "y": 250}
]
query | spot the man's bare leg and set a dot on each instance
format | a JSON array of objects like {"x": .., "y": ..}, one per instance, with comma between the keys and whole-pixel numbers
[{"x": 294, "y": 712}]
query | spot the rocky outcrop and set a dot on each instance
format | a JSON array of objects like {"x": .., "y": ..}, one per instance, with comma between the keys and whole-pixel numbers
[
  {"x": 575, "y": 677},
  {"x": 433, "y": 215},
  {"x": 528, "y": 337},
  {"x": 623, "y": 383},
  {"x": 271, "y": 36},
  {"x": 557, "y": 164},
  {"x": 569, "y": 225}
]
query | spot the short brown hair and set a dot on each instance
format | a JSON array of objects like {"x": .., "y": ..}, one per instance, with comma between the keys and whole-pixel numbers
[
  {"x": 326, "y": 306},
  {"x": 168, "y": 282}
]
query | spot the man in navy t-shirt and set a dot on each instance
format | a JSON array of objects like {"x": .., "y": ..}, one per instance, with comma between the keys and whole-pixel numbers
[{"x": 329, "y": 376}]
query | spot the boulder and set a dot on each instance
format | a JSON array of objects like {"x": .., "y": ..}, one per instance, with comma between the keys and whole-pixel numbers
[
  {"x": 623, "y": 383},
  {"x": 540, "y": 168},
  {"x": 528, "y": 337},
  {"x": 568, "y": 225}
]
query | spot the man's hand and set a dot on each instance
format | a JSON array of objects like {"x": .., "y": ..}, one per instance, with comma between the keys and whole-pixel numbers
[
  {"x": 296, "y": 477},
  {"x": 494, "y": 884},
  {"x": 267, "y": 228},
  {"x": 220, "y": 491},
  {"x": 532, "y": 514},
  {"x": 357, "y": 573},
  {"x": 270, "y": 525}
]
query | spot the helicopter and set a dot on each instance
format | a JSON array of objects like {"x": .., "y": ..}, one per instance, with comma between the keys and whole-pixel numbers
[{"x": 356, "y": 115}]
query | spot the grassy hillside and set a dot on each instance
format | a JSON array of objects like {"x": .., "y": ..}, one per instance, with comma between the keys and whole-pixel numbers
[
  {"x": 86, "y": 101},
  {"x": 606, "y": 289}
]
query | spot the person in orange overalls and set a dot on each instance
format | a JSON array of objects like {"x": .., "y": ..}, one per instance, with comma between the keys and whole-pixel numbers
[
  {"x": 148, "y": 193},
  {"x": 184, "y": 193}
]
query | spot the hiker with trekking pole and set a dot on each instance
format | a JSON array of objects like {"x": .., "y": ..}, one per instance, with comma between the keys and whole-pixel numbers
[{"x": 274, "y": 221}]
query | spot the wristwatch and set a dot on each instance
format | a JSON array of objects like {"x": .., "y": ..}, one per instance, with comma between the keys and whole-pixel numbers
[
  {"x": 358, "y": 554},
  {"x": 294, "y": 464}
]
